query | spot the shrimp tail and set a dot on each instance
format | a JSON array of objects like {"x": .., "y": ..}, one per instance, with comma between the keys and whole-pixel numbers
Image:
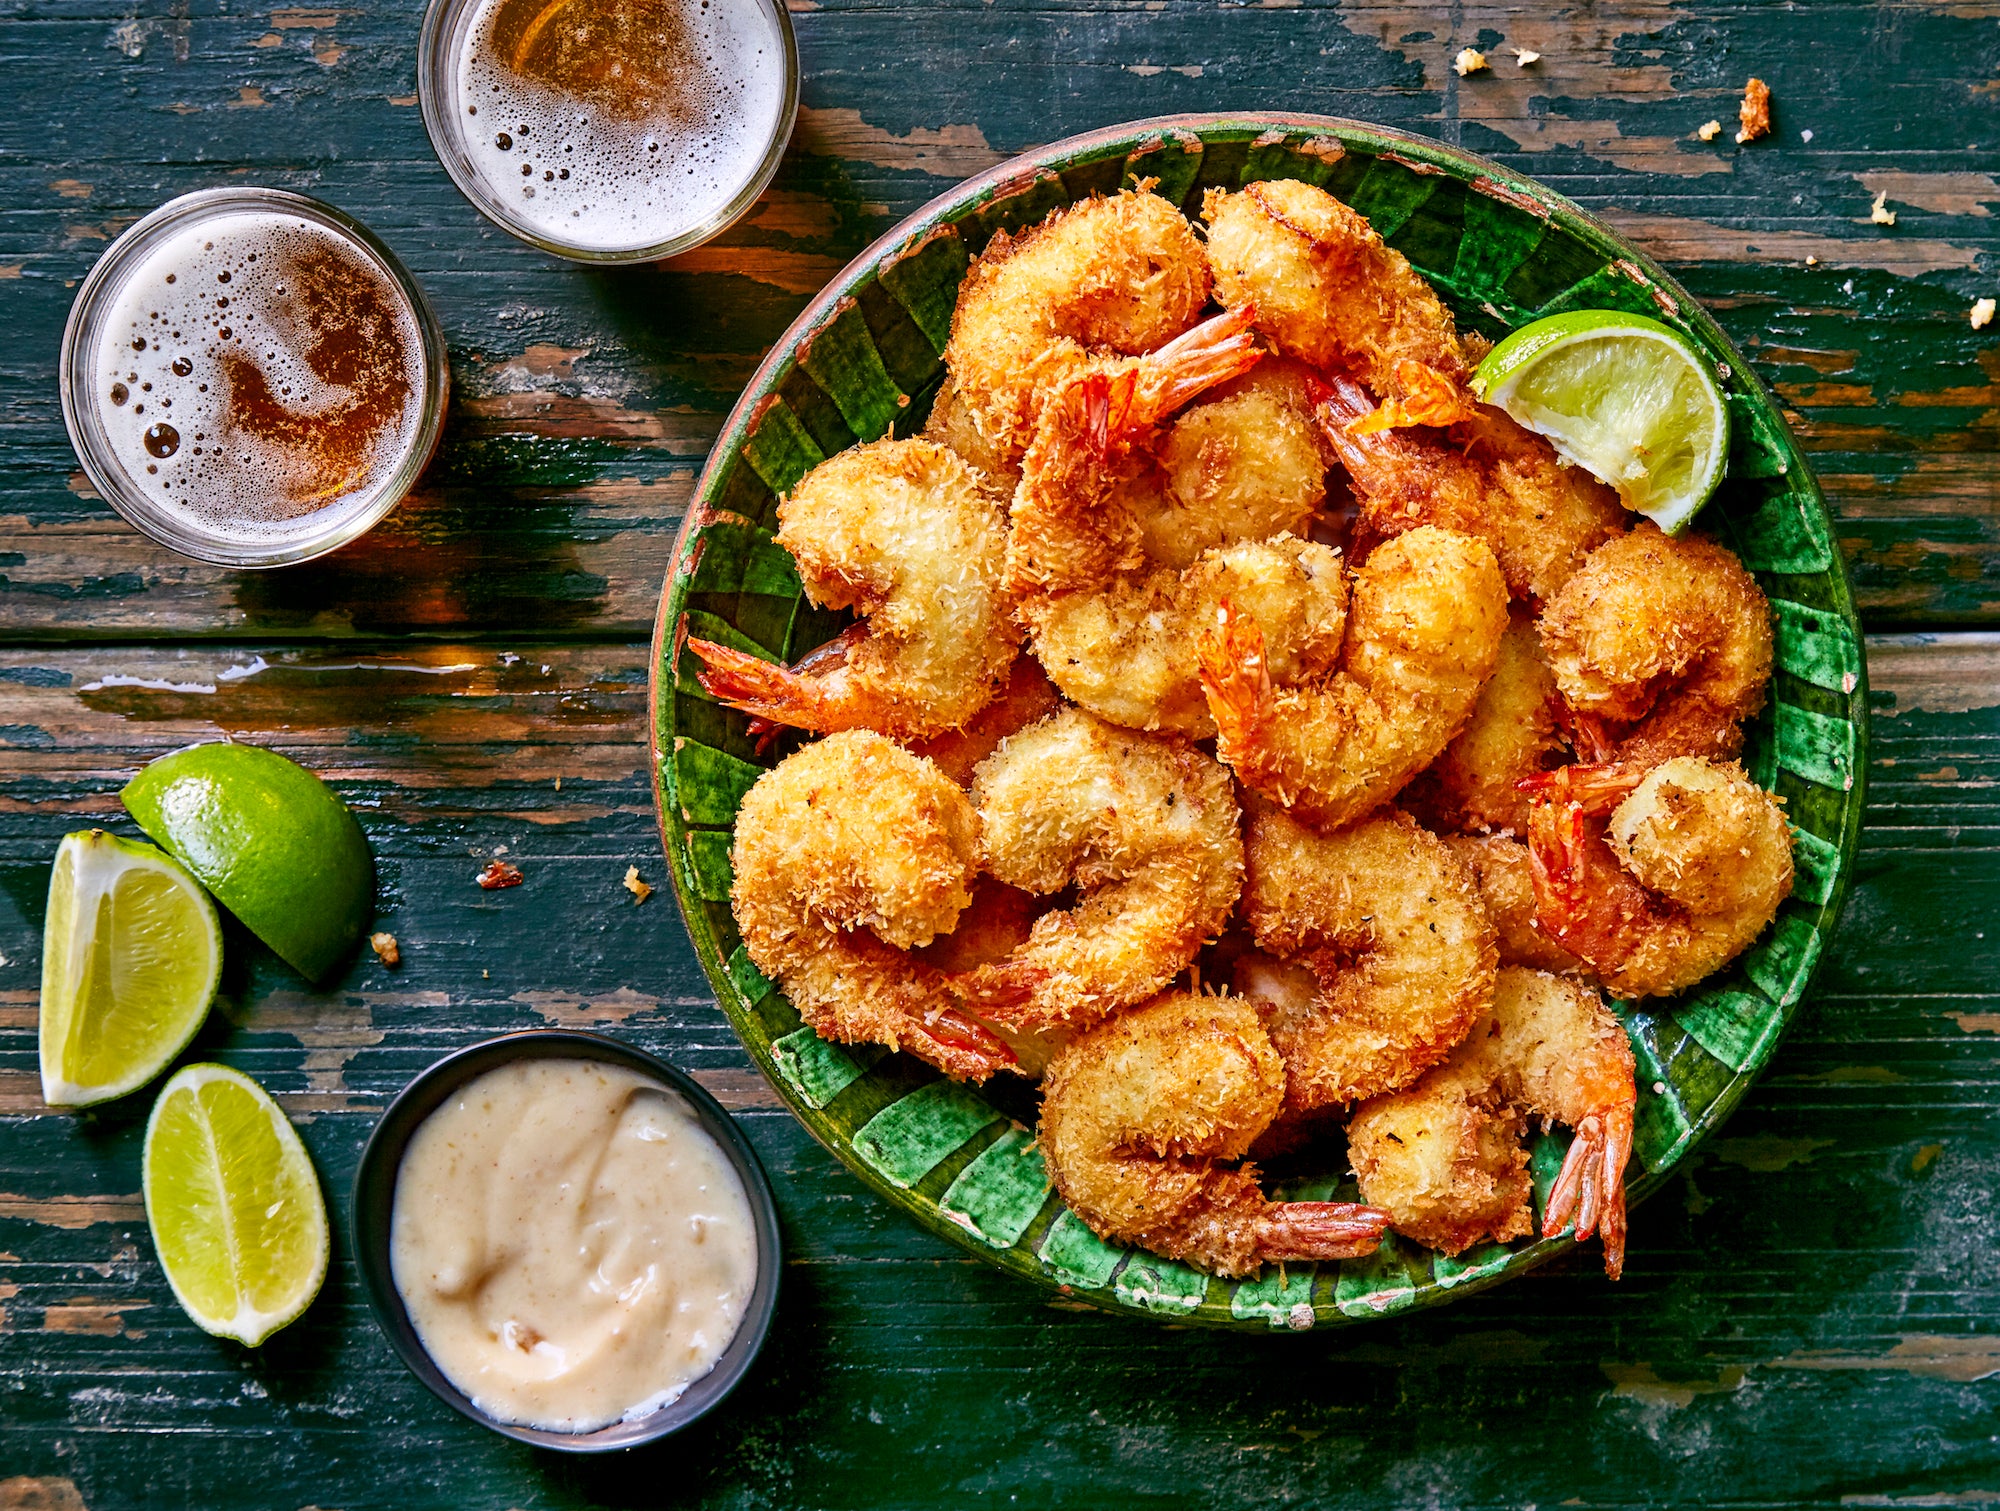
[
  {"x": 1428, "y": 397},
  {"x": 1591, "y": 1185},
  {"x": 1319, "y": 1230},
  {"x": 1594, "y": 789},
  {"x": 1120, "y": 408},
  {"x": 962, "y": 1035},
  {"x": 1588, "y": 734},
  {"x": 1236, "y": 679},
  {"x": 1004, "y": 988},
  {"x": 793, "y": 696}
]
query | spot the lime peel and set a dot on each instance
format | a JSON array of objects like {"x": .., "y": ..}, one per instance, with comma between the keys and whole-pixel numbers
[
  {"x": 131, "y": 958},
  {"x": 234, "y": 1204},
  {"x": 1630, "y": 400}
]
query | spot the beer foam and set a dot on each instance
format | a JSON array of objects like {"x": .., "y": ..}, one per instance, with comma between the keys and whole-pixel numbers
[
  {"x": 256, "y": 370},
  {"x": 581, "y": 166}
]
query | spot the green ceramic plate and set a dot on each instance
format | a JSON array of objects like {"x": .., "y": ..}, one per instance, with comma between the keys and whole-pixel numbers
[{"x": 865, "y": 357}]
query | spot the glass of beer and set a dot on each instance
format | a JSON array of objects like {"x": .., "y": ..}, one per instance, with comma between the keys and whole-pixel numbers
[
  {"x": 609, "y": 130},
  {"x": 251, "y": 378}
]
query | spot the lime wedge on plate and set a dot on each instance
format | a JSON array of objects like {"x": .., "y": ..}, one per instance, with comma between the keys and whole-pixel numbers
[
  {"x": 1627, "y": 398},
  {"x": 234, "y": 1204},
  {"x": 270, "y": 840},
  {"x": 131, "y": 954}
]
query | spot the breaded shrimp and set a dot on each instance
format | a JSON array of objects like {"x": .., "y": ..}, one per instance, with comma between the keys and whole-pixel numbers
[
  {"x": 1244, "y": 463},
  {"x": 1145, "y": 827},
  {"x": 1474, "y": 785},
  {"x": 1423, "y": 633},
  {"x": 1665, "y": 642},
  {"x": 1139, "y": 1116},
  {"x": 848, "y": 854},
  {"x": 914, "y": 538},
  {"x": 1504, "y": 872},
  {"x": 1445, "y": 1157},
  {"x": 1113, "y": 629},
  {"x": 1391, "y": 927},
  {"x": 1690, "y": 866},
  {"x": 1330, "y": 292},
  {"x": 1106, "y": 277},
  {"x": 1487, "y": 477}
]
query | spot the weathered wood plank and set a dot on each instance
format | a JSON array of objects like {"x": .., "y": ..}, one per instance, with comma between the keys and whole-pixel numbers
[
  {"x": 1807, "y": 1314},
  {"x": 587, "y": 398}
]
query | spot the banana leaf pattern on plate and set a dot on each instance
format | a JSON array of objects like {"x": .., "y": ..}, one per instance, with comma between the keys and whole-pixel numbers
[{"x": 865, "y": 359}]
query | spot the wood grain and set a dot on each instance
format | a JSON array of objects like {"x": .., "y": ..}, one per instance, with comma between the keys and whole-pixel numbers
[{"x": 1811, "y": 1311}]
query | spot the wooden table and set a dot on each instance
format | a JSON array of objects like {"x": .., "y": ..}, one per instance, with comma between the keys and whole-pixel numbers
[{"x": 1811, "y": 1314}]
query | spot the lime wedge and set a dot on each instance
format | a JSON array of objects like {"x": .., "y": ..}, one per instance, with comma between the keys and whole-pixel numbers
[
  {"x": 234, "y": 1204},
  {"x": 270, "y": 840},
  {"x": 131, "y": 954},
  {"x": 1625, "y": 397}
]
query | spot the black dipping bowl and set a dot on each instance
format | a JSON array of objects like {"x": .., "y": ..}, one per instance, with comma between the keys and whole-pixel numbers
[{"x": 375, "y": 1193}]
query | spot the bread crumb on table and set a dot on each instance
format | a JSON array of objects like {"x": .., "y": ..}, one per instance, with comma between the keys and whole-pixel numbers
[
  {"x": 1710, "y": 131},
  {"x": 1471, "y": 60},
  {"x": 1982, "y": 313},
  {"x": 1524, "y": 56},
  {"x": 635, "y": 886},
  {"x": 1754, "y": 113},
  {"x": 384, "y": 946},
  {"x": 499, "y": 874},
  {"x": 1879, "y": 212}
]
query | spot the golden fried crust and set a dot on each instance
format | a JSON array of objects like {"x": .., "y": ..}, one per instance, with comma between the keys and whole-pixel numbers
[
  {"x": 1146, "y": 827},
  {"x": 913, "y": 537},
  {"x": 1116, "y": 276},
  {"x": 1670, "y": 633},
  {"x": 1444, "y": 1156},
  {"x": 1504, "y": 873},
  {"x": 846, "y": 854},
  {"x": 1327, "y": 289},
  {"x": 1392, "y": 927},
  {"x": 1473, "y": 786},
  {"x": 1135, "y": 1112},
  {"x": 1423, "y": 633}
]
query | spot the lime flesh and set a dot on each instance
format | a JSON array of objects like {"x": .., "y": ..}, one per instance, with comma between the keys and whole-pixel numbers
[
  {"x": 131, "y": 955},
  {"x": 1625, "y": 397},
  {"x": 234, "y": 1204},
  {"x": 270, "y": 840}
]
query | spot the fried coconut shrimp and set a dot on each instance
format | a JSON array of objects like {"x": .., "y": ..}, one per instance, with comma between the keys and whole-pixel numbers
[
  {"x": 1512, "y": 734},
  {"x": 1661, "y": 644},
  {"x": 1504, "y": 872},
  {"x": 1114, "y": 629},
  {"x": 911, "y": 536},
  {"x": 1689, "y": 867},
  {"x": 847, "y": 855},
  {"x": 1143, "y": 1120},
  {"x": 1145, "y": 827},
  {"x": 1028, "y": 698},
  {"x": 1445, "y": 1158},
  {"x": 1104, "y": 278},
  {"x": 1329, "y": 291},
  {"x": 1423, "y": 633},
  {"x": 1397, "y": 943},
  {"x": 1244, "y": 463},
  {"x": 1487, "y": 477}
]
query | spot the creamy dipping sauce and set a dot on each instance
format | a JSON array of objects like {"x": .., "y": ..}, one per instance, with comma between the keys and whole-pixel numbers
[{"x": 572, "y": 1246}]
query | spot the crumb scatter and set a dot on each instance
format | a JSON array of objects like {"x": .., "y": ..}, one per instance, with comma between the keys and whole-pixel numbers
[{"x": 1754, "y": 114}]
